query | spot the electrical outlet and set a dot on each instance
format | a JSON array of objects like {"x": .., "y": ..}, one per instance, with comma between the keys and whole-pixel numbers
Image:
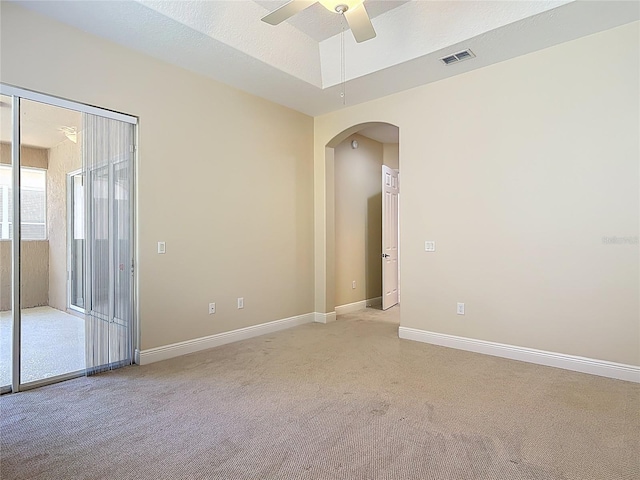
[
  {"x": 353, "y": 284},
  {"x": 212, "y": 308},
  {"x": 429, "y": 246},
  {"x": 460, "y": 309},
  {"x": 241, "y": 302}
]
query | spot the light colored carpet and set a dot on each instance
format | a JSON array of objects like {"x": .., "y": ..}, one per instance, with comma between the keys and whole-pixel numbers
[{"x": 348, "y": 400}]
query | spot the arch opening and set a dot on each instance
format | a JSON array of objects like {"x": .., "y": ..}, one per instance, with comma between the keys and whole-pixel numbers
[{"x": 353, "y": 227}]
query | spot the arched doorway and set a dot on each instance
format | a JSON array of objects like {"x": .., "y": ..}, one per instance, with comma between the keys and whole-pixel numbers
[{"x": 328, "y": 294}]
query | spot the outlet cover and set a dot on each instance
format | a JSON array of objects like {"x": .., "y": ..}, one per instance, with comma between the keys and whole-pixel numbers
[
  {"x": 429, "y": 246},
  {"x": 460, "y": 309},
  {"x": 241, "y": 302},
  {"x": 212, "y": 308}
]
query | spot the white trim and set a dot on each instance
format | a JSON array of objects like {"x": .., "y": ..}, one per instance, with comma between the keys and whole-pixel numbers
[
  {"x": 351, "y": 307},
  {"x": 10, "y": 90},
  {"x": 324, "y": 317},
  {"x": 190, "y": 346},
  {"x": 603, "y": 368},
  {"x": 355, "y": 306}
]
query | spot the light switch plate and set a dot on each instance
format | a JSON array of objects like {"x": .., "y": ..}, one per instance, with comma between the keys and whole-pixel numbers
[
  {"x": 429, "y": 246},
  {"x": 162, "y": 247}
]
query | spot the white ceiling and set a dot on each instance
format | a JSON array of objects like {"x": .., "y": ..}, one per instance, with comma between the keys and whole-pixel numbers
[
  {"x": 298, "y": 63},
  {"x": 40, "y": 124},
  {"x": 383, "y": 133}
]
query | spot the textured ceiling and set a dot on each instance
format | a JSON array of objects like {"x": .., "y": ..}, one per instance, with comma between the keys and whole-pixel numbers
[
  {"x": 319, "y": 23},
  {"x": 298, "y": 63},
  {"x": 40, "y": 124}
]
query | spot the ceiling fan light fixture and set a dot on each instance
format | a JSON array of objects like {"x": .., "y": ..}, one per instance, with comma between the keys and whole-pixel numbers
[
  {"x": 340, "y": 6},
  {"x": 353, "y": 11},
  {"x": 70, "y": 132}
]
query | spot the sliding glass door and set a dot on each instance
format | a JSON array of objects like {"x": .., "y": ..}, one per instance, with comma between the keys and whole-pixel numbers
[
  {"x": 52, "y": 340},
  {"x": 6, "y": 245},
  {"x": 66, "y": 240},
  {"x": 109, "y": 173}
]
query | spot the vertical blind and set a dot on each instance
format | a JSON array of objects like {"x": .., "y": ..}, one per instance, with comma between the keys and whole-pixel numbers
[{"x": 107, "y": 178}]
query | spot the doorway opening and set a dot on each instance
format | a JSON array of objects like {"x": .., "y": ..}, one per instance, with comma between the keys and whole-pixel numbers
[{"x": 366, "y": 218}]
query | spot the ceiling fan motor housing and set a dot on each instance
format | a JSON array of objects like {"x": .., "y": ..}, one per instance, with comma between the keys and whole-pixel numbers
[{"x": 340, "y": 6}]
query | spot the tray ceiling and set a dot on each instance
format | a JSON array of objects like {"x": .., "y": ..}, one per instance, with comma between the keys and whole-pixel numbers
[{"x": 298, "y": 63}]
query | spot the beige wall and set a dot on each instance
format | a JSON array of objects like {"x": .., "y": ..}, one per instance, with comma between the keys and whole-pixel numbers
[
  {"x": 391, "y": 155},
  {"x": 34, "y": 253},
  {"x": 34, "y": 279},
  {"x": 519, "y": 171},
  {"x": 238, "y": 218},
  {"x": 34, "y": 273},
  {"x": 63, "y": 158},
  {"x": 29, "y": 156},
  {"x": 544, "y": 167},
  {"x": 358, "y": 207}
]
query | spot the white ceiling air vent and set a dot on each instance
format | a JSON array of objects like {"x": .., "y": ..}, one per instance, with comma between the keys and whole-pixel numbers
[{"x": 457, "y": 57}]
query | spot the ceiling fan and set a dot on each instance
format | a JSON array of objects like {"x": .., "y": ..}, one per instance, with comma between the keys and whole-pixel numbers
[{"x": 353, "y": 10}]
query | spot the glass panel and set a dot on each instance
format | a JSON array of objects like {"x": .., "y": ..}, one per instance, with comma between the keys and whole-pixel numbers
[
  {"x": 108, "y": 166},
  {"x": 52, "y": 338},
  {"x": 6, "y": 237},
  {"x": 99, "y": 235},
  {"x": 32, "y": 198},
  {"x": 75, "y": 190},
  {"x": 122, "y": 260},
  {"x": 122, "y": 253}
]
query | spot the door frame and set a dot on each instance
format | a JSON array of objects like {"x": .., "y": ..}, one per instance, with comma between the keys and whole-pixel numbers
[
  {"x": 324, "y": 209},
  {"x": 70, "y": 230}
]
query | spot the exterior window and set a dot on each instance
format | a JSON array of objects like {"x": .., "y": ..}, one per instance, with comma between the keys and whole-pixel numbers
[{"x": 33, "y": 203}]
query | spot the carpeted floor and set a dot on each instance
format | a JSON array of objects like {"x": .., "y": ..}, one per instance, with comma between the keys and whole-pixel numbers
[{"x": 348, "y": 400}]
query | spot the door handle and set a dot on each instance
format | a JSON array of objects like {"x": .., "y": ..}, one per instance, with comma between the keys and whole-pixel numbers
[{"x": 385, "y": 255}]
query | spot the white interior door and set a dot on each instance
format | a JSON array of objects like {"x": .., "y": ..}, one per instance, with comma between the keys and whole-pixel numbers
[{"x": 390, "y": 192}]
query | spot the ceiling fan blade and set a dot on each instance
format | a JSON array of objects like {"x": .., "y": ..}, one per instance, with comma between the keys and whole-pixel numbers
[
  {"x": 286, "y": 11},
  {"x": 359, "y": 23}
]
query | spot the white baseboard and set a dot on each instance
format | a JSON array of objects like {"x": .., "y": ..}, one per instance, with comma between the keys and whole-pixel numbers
[
  {"x": 190, "y": 346},
  {"x": 351, "y": 307},
  {"x": 603, "y": 368},
  {"x": 355, "y": 306},
  {"x": 325, "y": 317}
]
